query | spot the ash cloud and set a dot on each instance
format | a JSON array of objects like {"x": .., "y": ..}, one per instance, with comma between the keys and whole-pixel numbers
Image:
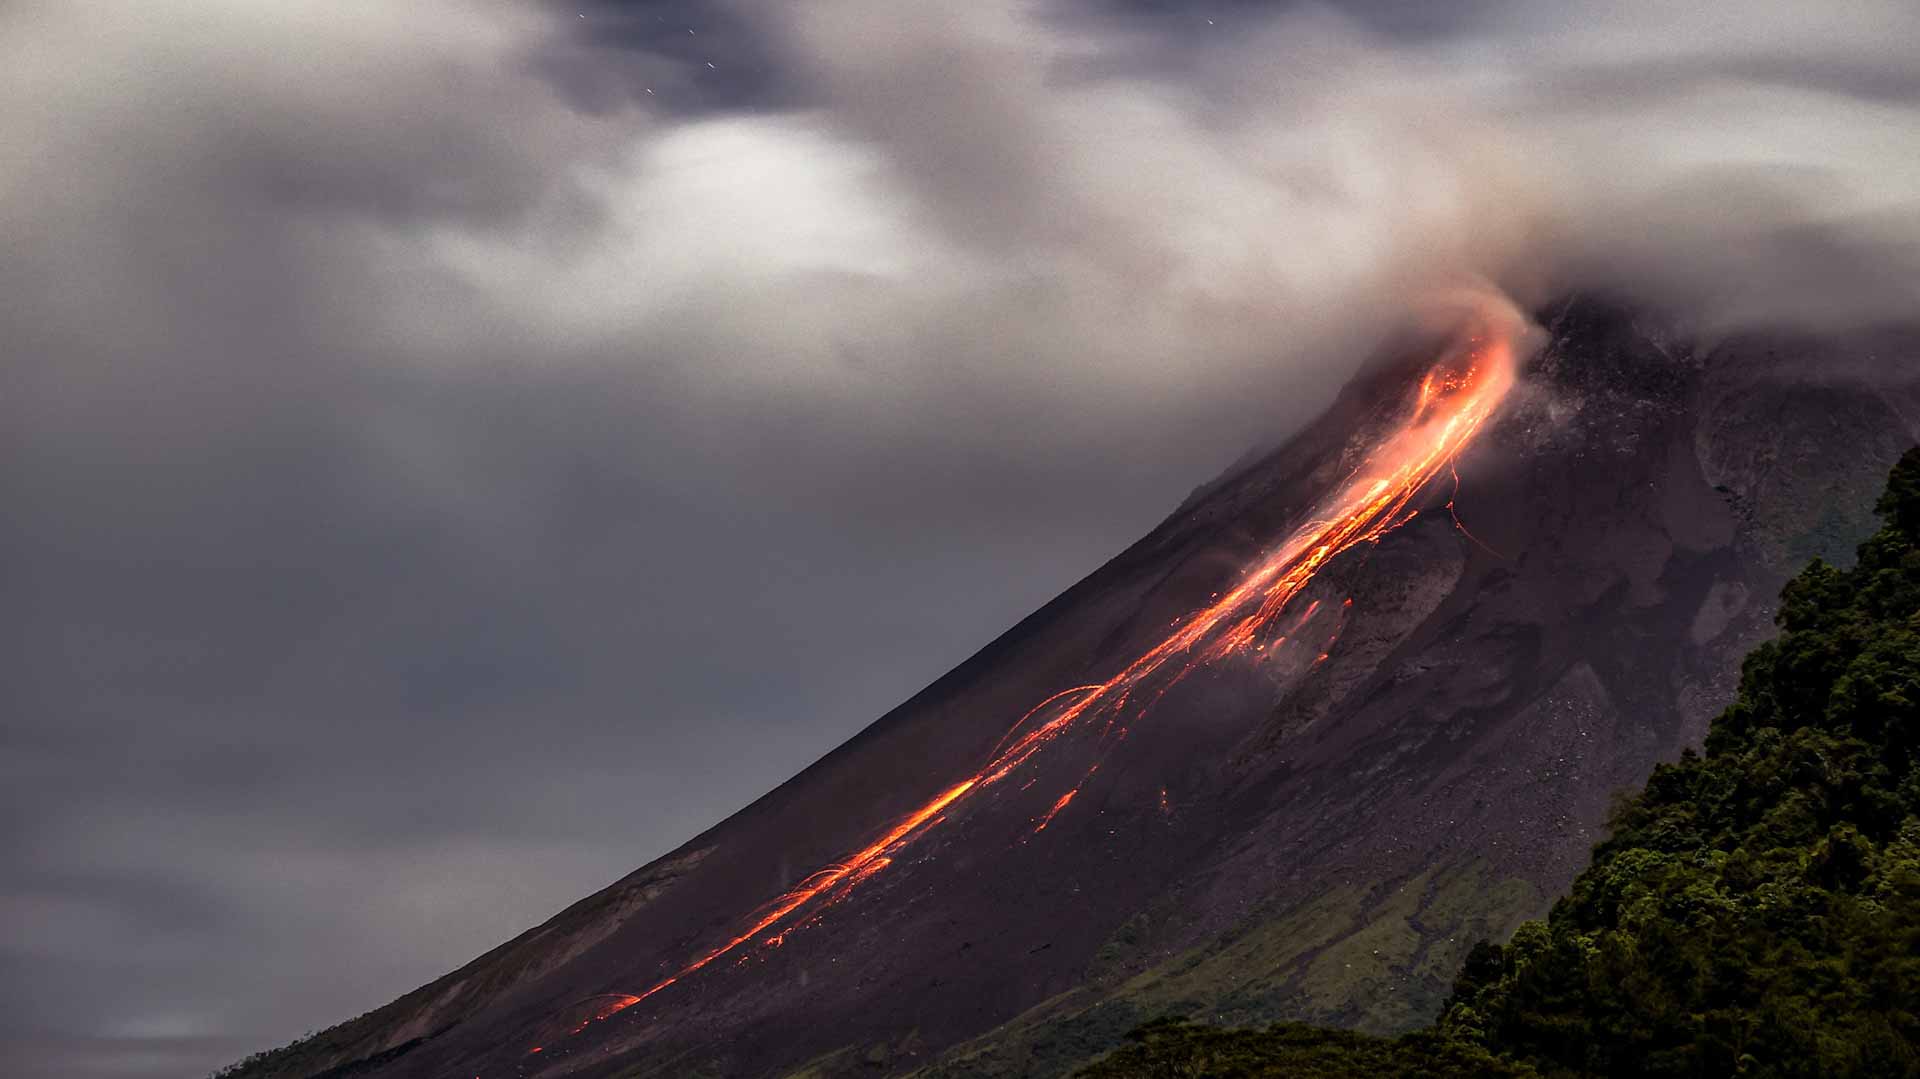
[{"x": 456, "y": 450}]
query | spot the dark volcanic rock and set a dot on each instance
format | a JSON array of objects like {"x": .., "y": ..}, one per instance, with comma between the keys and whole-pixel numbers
[{"x": 1319, "y": 841}]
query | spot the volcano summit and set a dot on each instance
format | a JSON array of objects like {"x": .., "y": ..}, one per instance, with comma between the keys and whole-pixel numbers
[{"x": 1355, "y": 705}]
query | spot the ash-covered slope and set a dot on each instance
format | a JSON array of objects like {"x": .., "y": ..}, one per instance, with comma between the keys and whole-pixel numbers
[{"x": 1316, "y": 827}]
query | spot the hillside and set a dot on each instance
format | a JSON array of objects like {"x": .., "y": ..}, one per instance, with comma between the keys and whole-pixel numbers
[
  {"x": 1138, "y": 803},
  {"x": 1755, "y": 911}
]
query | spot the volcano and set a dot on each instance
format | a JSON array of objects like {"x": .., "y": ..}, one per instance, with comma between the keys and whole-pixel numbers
[{"x": 1357, "y": 704}]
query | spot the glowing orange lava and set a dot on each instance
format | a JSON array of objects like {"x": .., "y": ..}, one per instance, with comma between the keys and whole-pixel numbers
[{"x": 1455, "y": 400}]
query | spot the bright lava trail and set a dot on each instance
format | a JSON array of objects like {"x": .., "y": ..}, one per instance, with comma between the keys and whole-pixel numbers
[{"x": 1456, "y": 398}]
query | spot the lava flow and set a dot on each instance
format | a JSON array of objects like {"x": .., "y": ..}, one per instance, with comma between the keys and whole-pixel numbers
[{"x": 1456, "y": 398}]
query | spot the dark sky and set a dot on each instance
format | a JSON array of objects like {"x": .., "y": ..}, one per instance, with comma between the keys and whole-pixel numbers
[{"x": 456, "y": 450}]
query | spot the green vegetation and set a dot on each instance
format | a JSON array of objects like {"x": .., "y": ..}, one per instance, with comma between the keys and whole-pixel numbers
[
  {"x": 1756, "y": 910},
  {"x": 1308, "y": 961},
  {"x": 1173, "y": 1049}
]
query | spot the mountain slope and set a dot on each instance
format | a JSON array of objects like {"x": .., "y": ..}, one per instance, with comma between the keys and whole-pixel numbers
[
  {"x": 1275, "y": 834},
  {"x": 1476, "y": 767},
  {"x": 1756, "y": 910}
]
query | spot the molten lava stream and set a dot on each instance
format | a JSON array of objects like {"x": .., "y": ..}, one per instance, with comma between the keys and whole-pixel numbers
[{"x": 1456, "y": 398}]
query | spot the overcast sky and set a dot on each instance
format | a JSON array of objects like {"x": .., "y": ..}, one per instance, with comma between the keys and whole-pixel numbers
[{"x": 456, "y": 450}]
